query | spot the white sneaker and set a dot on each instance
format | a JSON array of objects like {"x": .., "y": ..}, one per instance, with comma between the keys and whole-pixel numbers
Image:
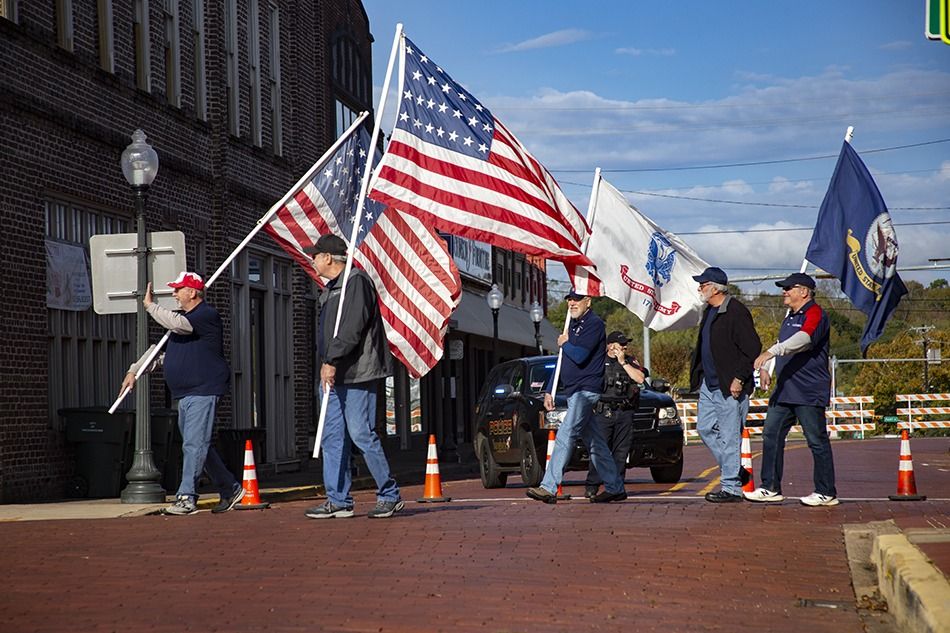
[
  {"x": 763, "y": 495},
  {"x": 815, "y": 499}
]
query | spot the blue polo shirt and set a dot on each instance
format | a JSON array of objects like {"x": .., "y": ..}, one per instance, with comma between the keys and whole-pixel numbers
[
  {"x": 804, "y": 378},
  {"x": 584, "y": 356},
  {"x": 194, "y": 363}
]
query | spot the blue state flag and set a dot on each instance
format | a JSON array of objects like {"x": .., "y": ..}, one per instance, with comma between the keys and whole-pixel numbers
[{"x": 855, "y": 241}]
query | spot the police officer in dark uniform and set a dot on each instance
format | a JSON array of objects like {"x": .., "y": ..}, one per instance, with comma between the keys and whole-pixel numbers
[{"x": 623, "y": 376}]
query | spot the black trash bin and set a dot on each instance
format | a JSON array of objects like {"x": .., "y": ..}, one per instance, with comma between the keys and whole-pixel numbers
[
  {"x": 231, "y": 447},
  {"x": 166, "y": 447},
  {"x": 103, "y": 450}
]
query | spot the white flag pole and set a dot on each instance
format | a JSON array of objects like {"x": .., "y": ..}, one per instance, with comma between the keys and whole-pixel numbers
[
  {"x": 261, "y": 223},
  {"x": 367, "y": 169},
  {"x": 591, "y": 209}
]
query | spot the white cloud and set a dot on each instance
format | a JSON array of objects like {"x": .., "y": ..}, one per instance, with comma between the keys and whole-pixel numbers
[
  {"x": 637, "y": 52},
  {"x": 897, "y": 45},
  {"x": 548, "y": 40}
]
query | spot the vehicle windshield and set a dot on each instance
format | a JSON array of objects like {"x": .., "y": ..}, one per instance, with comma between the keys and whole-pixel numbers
[{"x": 538, "y": 376}]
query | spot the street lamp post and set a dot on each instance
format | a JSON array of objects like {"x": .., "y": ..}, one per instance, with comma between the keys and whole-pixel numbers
[
  {"x": 494, "y": 299},
  {"x": 140, "y": 166},
  {"x": 537, "y": 314}
]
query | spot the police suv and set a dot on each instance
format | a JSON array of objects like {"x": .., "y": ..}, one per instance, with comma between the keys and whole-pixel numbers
[{"x": 512, "y": 427}]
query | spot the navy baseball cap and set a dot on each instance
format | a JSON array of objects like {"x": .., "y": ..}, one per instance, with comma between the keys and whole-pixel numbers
[
  {"x": 573, "y": 294},
  {"x": 796, "y": 279},
  {"x": 713, "y": 274}
]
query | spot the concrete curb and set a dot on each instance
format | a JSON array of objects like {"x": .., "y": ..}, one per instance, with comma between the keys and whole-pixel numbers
[{"x": 917, "y": 593}]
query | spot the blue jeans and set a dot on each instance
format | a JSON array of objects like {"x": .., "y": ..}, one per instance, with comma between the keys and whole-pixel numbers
[
  {"x": 719, "y": 422},
  {"x": 196, "y": 422},
  {"x": 351, "y": 411},
  {"x": 778, "y": 421},
  {"x": 579, "y": 420}
]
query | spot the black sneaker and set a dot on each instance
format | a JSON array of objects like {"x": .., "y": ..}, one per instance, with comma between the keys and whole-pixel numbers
[
  {"x": 541, "y": 494},
  {"x": 385, "y": 509},
  {"x": 590, "y": 491},
  {"x": 329, "y": 511},
  {"x": 227, "y": 503},
  {"x": 607, "y": 497},
  {"x": 723, "y": 497}
]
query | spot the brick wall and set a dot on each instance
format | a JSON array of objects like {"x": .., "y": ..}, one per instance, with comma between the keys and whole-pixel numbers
[{"x": 63, "y": 125}]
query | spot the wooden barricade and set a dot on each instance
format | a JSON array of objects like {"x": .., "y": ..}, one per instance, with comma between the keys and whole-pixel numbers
[
  {"x": 912, "y": 411},
  {"x": 851, "y": 419}
]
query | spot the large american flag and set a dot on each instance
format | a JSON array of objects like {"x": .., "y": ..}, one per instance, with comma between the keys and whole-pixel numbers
[
  {"x": 415, "y": 277},
  {"x": 451, "y": 163}
]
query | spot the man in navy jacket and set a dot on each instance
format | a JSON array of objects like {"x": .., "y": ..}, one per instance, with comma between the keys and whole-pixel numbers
[
  {"x": 197, "y": 374},
  {"x": 802, "y": 392},
  {"x": 583, "y": 356}
]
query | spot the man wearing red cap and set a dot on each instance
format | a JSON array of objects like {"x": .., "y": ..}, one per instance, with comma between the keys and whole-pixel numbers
[{"x": 197, "y": 374}]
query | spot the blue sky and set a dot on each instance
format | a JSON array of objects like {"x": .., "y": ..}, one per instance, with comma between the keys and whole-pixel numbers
[{"x": 653, "y": 85}]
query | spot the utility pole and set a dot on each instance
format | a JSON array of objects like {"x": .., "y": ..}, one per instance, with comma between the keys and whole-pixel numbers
[{"x": 925, "y": 341}]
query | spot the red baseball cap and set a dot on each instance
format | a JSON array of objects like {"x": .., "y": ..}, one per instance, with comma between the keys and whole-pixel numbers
[{"x": 187, "y": 280}]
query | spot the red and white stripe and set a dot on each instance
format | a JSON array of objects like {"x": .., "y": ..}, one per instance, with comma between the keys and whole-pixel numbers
[
  {"x": 921, "y": 397},
  {"x": 853, "y": 413},
  {"x": 852, "y": 399},
  {"x": 924, "y": 411},
  {"x": 509, "y": 200},
  {"x": 923, "y": 424},
  {"x": 415, "y": 277}
]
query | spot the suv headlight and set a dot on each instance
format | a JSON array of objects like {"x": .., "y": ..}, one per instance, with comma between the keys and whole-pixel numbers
[
  {"x": 667, "y": 416},
  {"x": 553, "y": 419}
]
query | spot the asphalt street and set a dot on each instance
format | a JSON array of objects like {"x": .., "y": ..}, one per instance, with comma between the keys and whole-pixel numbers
[{"x": 490, "y": 560}]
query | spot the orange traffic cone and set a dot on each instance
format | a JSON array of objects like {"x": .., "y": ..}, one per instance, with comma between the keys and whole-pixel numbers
[
  {"x": 560, "y": 490},
  {"x": 252, "y": 497},
  {"x": 433, "y": 491},
  {"x": 745, "y": 454},
  {"x": 906, "y": 486}
]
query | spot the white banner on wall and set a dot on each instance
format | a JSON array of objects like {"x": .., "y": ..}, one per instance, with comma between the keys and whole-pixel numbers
[{"x": 67, "y": 277}]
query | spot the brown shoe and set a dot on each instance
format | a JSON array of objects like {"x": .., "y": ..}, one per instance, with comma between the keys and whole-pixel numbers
[
  {"x": 607, "y": 497},
  {"x": 541, "y": 494}
]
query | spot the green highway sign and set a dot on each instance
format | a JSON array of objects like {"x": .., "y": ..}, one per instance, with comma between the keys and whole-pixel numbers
[
  {"x": 937, "y": 20},
  {"x": 890, "y": 419}
]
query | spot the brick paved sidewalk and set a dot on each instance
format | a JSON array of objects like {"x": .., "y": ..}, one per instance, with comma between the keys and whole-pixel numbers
[{"x": 494, "y": 561}]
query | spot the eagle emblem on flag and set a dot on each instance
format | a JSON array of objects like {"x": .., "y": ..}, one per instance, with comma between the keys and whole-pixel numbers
[{"x": 661, "y": 257}]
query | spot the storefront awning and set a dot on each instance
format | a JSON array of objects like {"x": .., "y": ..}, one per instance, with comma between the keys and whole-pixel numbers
[{"x": 473, "y": 316}]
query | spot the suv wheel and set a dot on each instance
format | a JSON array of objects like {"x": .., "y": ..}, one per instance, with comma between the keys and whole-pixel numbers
[
  {"x": 531, "y": 470},
  {"x": 667, "y": 474},
  {"x": 492, "y": 477}
]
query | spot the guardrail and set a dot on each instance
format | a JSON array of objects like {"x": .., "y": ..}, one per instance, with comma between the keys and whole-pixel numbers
[
  {"x": 911, "y": 411},
  {"x": 687, "y": 411}
]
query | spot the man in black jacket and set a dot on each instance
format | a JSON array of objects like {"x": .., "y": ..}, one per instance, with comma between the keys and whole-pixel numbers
[
  {"x": 721, "y": 370},
  {"x": 352, "y": 363}
]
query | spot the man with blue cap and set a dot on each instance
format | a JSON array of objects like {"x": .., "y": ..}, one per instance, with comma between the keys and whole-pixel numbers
[
  {"x": 583, "y": 357},
  {"x": 721, "y": 370}
]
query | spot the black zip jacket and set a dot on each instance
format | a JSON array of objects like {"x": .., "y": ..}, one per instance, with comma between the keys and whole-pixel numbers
[
  {"x": 359, "y": 351},
  {"x": 735, "y": 345}
]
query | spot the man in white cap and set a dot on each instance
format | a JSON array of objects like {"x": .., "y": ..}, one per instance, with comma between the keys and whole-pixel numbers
[{"x": 197, "y": 374}]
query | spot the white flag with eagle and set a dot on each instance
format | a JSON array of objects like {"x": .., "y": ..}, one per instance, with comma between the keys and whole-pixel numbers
[{"x": 640, "y": 265}]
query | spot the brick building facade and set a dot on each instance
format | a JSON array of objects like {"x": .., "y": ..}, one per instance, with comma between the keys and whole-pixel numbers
[{"x": 239, "y": 98}]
